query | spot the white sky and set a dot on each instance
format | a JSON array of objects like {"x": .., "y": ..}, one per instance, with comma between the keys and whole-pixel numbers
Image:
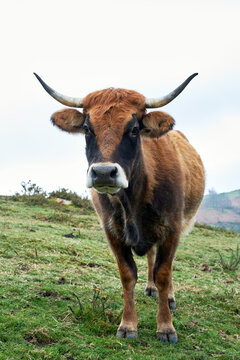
[{"x": 78, "y": 46}]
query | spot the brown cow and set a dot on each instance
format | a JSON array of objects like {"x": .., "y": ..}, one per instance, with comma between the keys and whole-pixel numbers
[{"x": 147, "y": 183}]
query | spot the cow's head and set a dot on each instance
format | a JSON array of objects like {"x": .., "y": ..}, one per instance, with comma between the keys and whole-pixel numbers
[{"x": 113, "y": 121}]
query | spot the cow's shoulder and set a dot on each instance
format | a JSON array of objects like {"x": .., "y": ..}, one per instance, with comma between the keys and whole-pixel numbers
[{"x": 177, "y": 136}]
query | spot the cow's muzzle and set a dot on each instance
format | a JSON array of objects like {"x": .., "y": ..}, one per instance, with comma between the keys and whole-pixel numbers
[{"x": 106, "y": 177}]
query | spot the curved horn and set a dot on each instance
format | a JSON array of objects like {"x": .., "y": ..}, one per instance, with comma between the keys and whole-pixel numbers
[
  {"x": 65, "y": 100},
  {"x": 161, "y": 101}
]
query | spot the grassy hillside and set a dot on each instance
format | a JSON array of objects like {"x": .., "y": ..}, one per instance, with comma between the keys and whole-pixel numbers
[
  {"x": 221, "y": 210},
  {"x": 61, "y": 298}
]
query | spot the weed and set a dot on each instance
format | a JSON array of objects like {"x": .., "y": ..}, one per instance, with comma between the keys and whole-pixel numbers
[
  {"x": 233, "y": 262},
  {"x": 230, "y": 293},
  {"x": 97, "y": 306},
  {"x": 99, "y": 301},
  {"x": 79, "y": 311},
  {"x": 28, "y": 188}
]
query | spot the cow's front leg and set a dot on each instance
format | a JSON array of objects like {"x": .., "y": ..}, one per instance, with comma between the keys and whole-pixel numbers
[
  {"x": 128, "y": 274},
  {"x": 163, "y": 278}
]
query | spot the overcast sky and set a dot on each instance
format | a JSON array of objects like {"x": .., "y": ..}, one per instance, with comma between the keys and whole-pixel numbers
[{"x": 78, "y": 46}]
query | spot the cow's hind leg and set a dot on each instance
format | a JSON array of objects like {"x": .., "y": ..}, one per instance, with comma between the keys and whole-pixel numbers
[
  {"x": 151, "y": 289},
  {"x": 171, "y": 297},
  {"x": 162, "y": 278},
  {"x": 128, "y": 275}
]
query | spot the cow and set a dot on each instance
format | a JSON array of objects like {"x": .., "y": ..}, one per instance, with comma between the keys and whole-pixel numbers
[{"x": 147, "y": 183}]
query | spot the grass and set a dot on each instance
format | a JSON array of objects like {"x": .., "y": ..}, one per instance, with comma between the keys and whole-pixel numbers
[{"x": 61, "y": 297}]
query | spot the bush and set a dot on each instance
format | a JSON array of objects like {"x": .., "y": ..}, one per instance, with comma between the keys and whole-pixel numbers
[
  {"x": 79, "y": 201},
  {"x": 32, "y": 189},
  {"x": 31, "y": 199},
  {"x": 32, "y": 194}
]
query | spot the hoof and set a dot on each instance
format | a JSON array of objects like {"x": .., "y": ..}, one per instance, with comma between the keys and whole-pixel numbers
[
  {"x": 127, "y": 334},
  {"x": 172, "y": 304},
  {"x": 167, "y": 337},
  {"x": 150, "y": 291}
]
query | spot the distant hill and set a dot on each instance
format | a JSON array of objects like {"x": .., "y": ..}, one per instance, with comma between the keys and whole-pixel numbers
[{"x": 221, "y": 210}]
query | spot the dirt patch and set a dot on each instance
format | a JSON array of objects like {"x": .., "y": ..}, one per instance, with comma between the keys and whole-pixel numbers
[
  {"x": 206, "y": 268},
  {"x": 39, "y": 337},
  {"x": 48, "y": 293},
  {"x": 23, "y": 267},
  {"x": 61, "y": 280}
]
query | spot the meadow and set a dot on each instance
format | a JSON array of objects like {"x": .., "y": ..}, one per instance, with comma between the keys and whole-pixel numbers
[{"x": 61, "y": 297}]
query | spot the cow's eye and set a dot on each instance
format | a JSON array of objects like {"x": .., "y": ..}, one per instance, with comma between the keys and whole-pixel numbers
[{"x": 135, "y": 131}]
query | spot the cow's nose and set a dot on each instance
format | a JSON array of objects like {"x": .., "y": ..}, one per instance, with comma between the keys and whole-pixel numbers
[{"x": 103, "y": 175}]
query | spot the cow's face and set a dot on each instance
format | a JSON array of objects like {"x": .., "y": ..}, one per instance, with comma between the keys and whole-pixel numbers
[{"x": 113, "y": 122}]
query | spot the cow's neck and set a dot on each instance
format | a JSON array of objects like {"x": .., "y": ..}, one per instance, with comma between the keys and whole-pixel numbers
[
  {"x": 131, "y": 199},
  {"x": 137, "y": 184}
]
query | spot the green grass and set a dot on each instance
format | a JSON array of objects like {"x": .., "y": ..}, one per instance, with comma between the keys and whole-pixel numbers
[{"x": 61, "y": 297}]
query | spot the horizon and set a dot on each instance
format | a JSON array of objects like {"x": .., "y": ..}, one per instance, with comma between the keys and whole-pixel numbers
[{"x": 88, "y": 192}]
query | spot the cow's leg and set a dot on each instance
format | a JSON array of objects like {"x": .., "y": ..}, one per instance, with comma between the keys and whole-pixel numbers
[
  {"x": 151, "y": 289},
  {"x": 171, "y": 297},
  {"x": 128, "y": 275},
  {"x": 162, "y": 278}
]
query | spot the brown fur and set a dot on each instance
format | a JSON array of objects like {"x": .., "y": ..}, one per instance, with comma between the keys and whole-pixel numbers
[
  {"x": 110, "y": 110},
  {"x": 103, "y": 100},
  {"x": 69, "y": 120},
  {"x": 157, "y": 123}
]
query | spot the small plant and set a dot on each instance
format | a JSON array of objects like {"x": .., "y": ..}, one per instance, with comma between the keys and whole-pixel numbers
[
  {"x": 31, "y": 193},
  {"x": 233, "y": 262},
  {"x": 230, "y": 293},
  {"x": 98, "y": 305},
  {"x": 79, "y": 311},
  {"x": 98, "y": 300},
  {"x": 28, "y": 188}
]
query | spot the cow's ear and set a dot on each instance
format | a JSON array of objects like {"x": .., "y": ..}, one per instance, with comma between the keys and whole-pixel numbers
[
  {"x": 156, "y": 123},
  {"x": 69, "y": 120}
]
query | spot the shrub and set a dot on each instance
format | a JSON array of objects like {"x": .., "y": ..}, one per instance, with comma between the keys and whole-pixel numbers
[
  {"x": 28, "y": 188},
  {"x": 32, "y": 194},
  {"x": 233, "y": 262},
  {"x": 79, "y": 201},
  {"x": 97, "y": 309}
]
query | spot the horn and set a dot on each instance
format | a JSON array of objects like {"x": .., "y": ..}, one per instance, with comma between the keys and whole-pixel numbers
[
  {"x": 161, "y": 101},
  {"x": 65, "y": 100}
]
